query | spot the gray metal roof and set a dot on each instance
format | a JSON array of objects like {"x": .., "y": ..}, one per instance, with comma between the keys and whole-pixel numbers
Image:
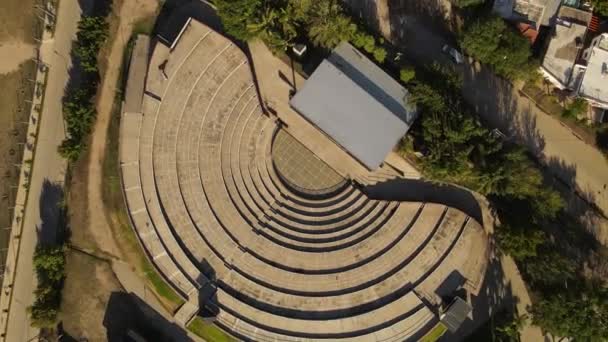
[
  {"x": 356, "y": 104},
  {"x": 456, "y": 314}
]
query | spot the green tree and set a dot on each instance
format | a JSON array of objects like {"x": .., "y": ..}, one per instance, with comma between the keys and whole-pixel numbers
[
  {"x": 546, "y": 204},
  {"x": 407, "y": 74},
  {"x": 493, "y": 42},
  {"x": 510, "y": 172},
  {"x": 578, "y": 314},
  {"x": 50, "y": 263},
  {"x": 364, "y": 41},
  {"x": 379, "y": 54},
  {"x": 276, "y": 27},
  {"x": 70, "y": 149},
  {"x": 43, "y": 314},
  {"x": 576, "y": 108},
  {"x": 508, "y": 331},
  {"x": 519, "y": 242},
  {"x": 238, "y": 16},
  {"x": 549, "y": 267},
  {"x": 92, "y": 33},
  {"x": 328, "y": 25},
  {"x": 600, "y": 7}
]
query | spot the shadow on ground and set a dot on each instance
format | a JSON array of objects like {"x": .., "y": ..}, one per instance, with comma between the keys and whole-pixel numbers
[
  {"x": 51, "y": 229},
  {"x": 494, "y": 296},
  {"x": 421, "y": 191},
  {"x": 175, "y": 13},
  {"x": 127, "y": 314}
]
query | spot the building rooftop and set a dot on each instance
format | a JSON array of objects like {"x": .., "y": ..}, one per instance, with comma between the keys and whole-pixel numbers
[
  {"x": 594, "y": 83},
  {"x": 356, "y": 104},
  {"x": 563, "y": 49},
  {"x": 537, "y": 12}
]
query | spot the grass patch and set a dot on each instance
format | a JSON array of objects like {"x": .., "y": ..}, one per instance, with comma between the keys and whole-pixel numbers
[
  {"x": 115, "y": 207},
  {"x": 435, "y": 333},
  {"x": 208, "y": 331}
]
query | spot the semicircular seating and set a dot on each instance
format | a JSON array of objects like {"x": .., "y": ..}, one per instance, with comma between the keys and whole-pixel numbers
[{"x": 271, "y": 263}]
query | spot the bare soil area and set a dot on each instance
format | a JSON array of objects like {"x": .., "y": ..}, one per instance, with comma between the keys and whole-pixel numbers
[
  {"x": 14, "y": 114},
  {"x": 89, "y": 286},
  {"x": 13, "y": 53},
  {"x": 17, "y": 27},
  {"x": 17, "y": 18},
  {"x": 91, "y": 283}
]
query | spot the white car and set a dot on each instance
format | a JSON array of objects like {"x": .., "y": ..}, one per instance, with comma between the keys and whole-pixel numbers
[{"x": 456, "y": 56}]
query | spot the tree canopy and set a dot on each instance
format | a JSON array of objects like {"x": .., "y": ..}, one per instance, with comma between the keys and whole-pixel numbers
[
  {"x": 238, "y": 16},
  {"x": 582, "y": 315},
  {"x": 600, "y": 7},
  {"x": 494, "y": 42},
  {"x": 279, "y": 23}
]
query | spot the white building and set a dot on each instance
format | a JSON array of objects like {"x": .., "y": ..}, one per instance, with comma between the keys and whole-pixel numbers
[{"x": 592, "y": 80}]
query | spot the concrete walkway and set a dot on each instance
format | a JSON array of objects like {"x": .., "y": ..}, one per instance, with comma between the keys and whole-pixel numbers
[{"x": 48, "y": 173}]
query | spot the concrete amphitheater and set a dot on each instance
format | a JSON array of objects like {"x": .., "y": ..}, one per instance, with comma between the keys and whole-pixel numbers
[{"x": 266, "y": 261}]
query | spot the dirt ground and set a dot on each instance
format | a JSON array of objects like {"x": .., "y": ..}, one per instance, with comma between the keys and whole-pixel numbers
[
  {"x": 17, "y": 27},
  {"x": 90, "y": 284}
]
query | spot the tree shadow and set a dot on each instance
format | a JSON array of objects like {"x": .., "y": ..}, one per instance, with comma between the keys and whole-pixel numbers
[
  {"x": 422, "y": 191},
  {"x": 175, "y": 13},
  {"x": 495, "y": 295},
  {"x": 52, "y": 229},
  {"x": 128, "y": 315},
  {"x": 366, "y": 11}
]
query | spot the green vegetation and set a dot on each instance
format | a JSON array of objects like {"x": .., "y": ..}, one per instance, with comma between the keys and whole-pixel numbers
[
  {"x": 92, "y": 33},
  {"x": 579, "y": 314},
  {"x": 208, "y": 331},
  {"x": 407, "y": 74},
  {"x": 508, "y": 329},
  {"x": 576, "y": 108},
  {"x": 49, "y": 263},
  {"x": 534, "y": 229},
  {"x": 492, "y": 41},
  {"x": 281, "y": 23},
  {"x": 79, "y": 106},
  {"x": 600, "y": 7},
  {"x": 435, "y": 333}
]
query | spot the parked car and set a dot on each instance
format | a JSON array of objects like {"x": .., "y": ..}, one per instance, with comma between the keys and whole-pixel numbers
[{"x": 453, "y": 53}]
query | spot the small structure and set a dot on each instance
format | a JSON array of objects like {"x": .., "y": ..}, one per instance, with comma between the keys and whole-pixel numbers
[
  {"x": 455, "y": 314},
  {"x": 357, "y": 105}
]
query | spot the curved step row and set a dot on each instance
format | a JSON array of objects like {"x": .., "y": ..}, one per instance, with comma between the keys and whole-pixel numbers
[{"x": 211, "y": 211}]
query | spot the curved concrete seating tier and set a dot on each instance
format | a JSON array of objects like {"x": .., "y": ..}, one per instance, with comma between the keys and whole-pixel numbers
[{"x": 273, "y": 264}]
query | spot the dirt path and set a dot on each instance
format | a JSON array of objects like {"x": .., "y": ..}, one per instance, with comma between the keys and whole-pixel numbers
[
  {"x": 13, "y": 53},
  {"x": 130, "y": 12}
]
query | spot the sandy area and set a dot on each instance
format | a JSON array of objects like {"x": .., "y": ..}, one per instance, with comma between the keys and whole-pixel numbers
[{"x": 14, "y": 53}]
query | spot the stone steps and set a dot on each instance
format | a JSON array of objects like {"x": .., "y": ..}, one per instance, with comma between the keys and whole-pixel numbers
[{"x": 273, "y": 264}]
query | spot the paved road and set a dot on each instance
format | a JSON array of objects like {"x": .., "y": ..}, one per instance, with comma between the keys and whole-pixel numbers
[{"x": 48, "y": 172}]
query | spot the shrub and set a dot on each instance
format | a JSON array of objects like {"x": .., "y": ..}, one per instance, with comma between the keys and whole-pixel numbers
[
  {"x": 49, "y": 263},
  {"x": 494, "y": 42},
  {"x": 575, "y": 109},
  {"x": 407, "y": 74}
]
